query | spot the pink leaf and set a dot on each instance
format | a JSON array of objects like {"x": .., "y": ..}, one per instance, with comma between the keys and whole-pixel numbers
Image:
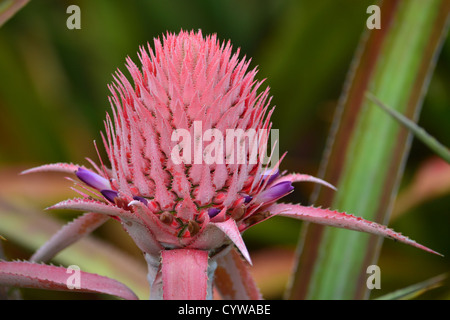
[
  {"x": 40, "y": 276},
  {"x": 69, "y": 234},
  {"x": 184, "y": 274},
  {"x": 142, "y": 237},
  {"x": 230, "y": 228},
  {"x": 55, "y": 167},
  {"x": 233, "y": 279},
  {"x": 209, "y": 237},
  {"x": 431, "y": 180},
  {"x": 341, "y": 220},
  {"x": 93, "y": 206},
  {"x": 148, "y": 226},
  {"x": 298, "y": 177}
]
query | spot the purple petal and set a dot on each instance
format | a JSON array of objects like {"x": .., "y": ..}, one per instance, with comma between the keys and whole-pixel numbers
[
  {"x": 141, "y": 199},
  {"x": 271, "y": 175},
  {"x": 92, "y": 179},
  {"x": 212, "y": 212},
  {"x": 109, "y": 194},
  {"x": 273, "y": 193},
  {"x": 247, "y": 199}
]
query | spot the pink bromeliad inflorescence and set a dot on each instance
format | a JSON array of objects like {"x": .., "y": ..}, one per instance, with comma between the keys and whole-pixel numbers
[{"x": 186, "y": 217}]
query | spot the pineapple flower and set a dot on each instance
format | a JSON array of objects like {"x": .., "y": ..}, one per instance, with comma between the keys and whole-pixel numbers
[{"x": 186, "y": 216}]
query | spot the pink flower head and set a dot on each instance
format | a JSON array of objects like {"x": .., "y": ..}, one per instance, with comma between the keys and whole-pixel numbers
[
  {"x": 187, "y": 215},
  {"x": 188, "y": 80}
]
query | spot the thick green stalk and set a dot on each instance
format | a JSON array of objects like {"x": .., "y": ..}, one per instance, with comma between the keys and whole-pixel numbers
[{"x": 367, "y": 150}]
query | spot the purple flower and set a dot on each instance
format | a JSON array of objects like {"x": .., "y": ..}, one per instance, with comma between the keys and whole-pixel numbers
[
  {"x": 271, "y": 175},
  {"x": 274, "y": 193},
  {"x": 212, "y": 212},
  {"x": 92, "y": 179},
  {"x": 141, "y": 199},
  {"x": 109, "y": 194}
]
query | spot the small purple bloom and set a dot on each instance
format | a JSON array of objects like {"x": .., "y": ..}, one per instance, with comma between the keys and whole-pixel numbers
[
  {"x": 92, "y": 179},
  {"x": 109, "y": 194},
  {"x": 271, "y": 175},
  {"x": 247, "y": 199},
  {"x": 212, "y": 212},
  {"x": 141, "y": 199},
  {"x": 276, "y": 192}
]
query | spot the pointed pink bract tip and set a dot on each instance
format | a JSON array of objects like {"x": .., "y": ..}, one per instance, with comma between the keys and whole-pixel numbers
[
  {"x": 54, "y": 167},
  {"x": 342, "y": 220}
]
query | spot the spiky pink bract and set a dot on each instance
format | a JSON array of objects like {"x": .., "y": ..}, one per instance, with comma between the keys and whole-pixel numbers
[{"x": 188, "y": 78}]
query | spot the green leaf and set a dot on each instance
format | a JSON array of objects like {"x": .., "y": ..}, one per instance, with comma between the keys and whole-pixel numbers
[
  {"x": 420, "y": 133},
  {"x": 366, "y": 150},
  {"x": 415, "y": 290}
]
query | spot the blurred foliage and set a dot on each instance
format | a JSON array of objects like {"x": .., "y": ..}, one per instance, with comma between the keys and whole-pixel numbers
[
  {"x": 53, "y": 99},
  {"x": 366, "y": 158}
]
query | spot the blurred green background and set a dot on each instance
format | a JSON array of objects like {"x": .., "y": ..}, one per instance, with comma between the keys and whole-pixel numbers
[{"x": 53, "y": 99}]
